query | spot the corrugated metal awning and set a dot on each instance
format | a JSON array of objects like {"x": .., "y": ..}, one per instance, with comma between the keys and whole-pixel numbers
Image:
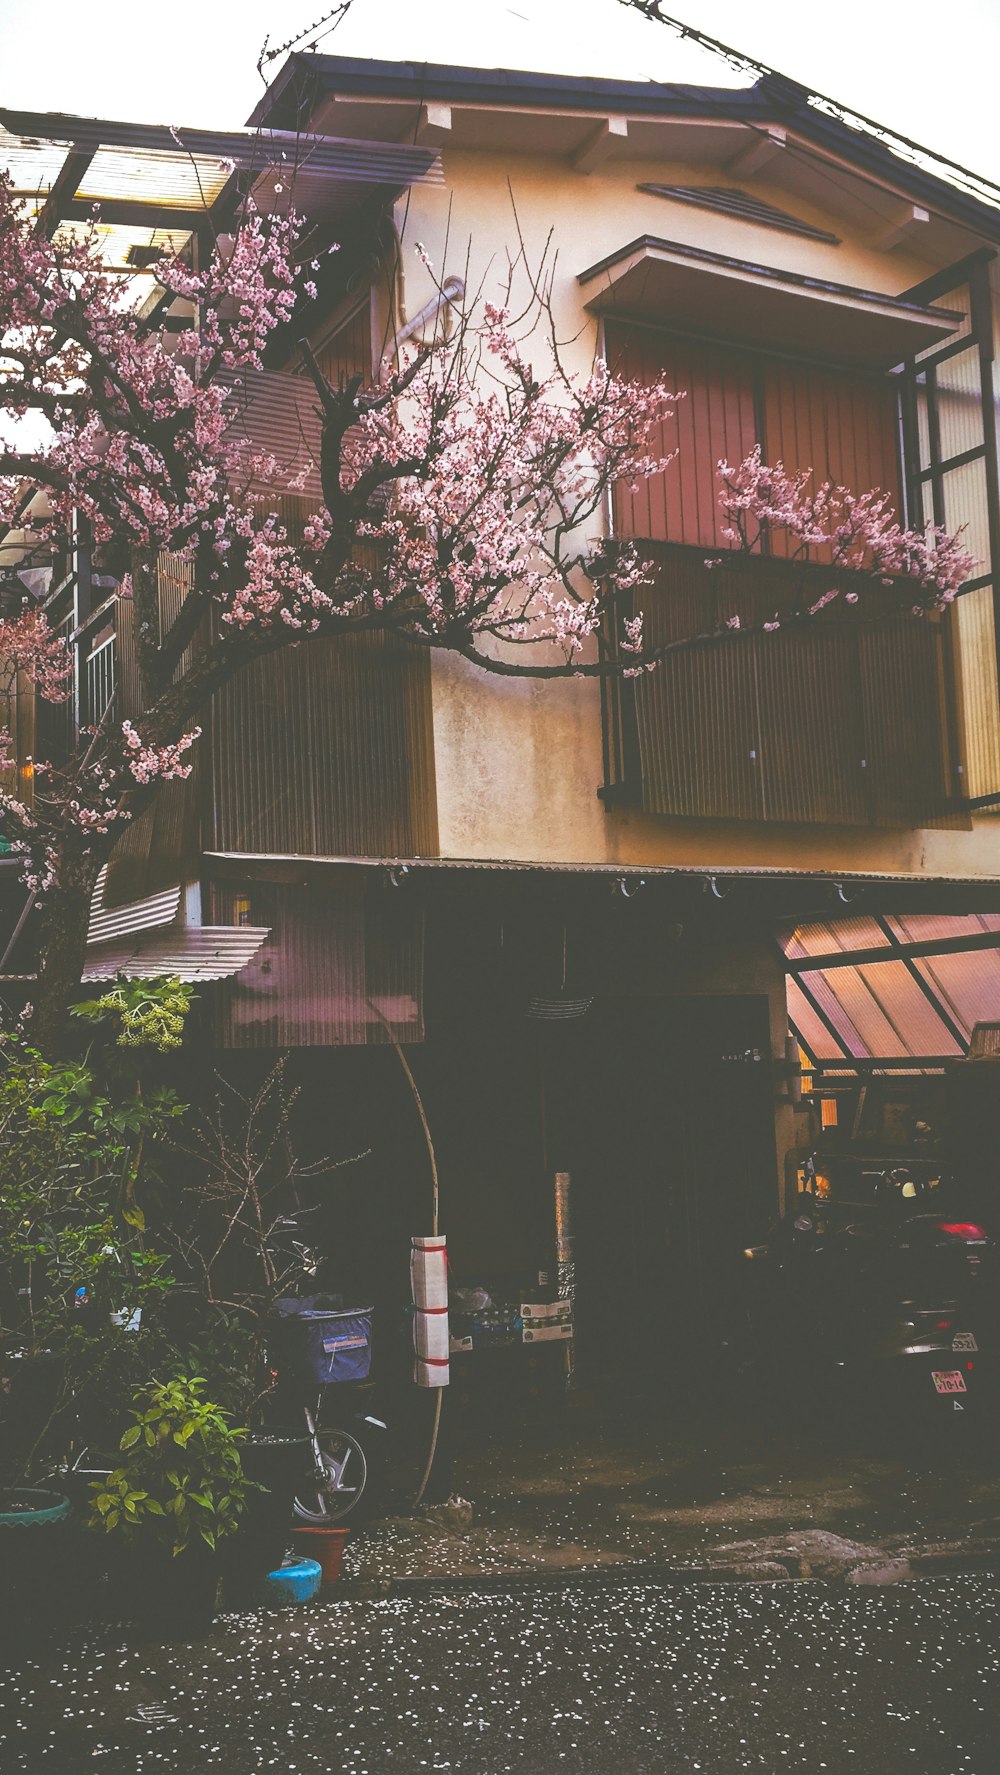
[
  {"x": 146, "y": 939},
  {"x": 108, "y": 922},
  {"x": 191, "y": 952},
  {"x": 690, "y": 288},
  {"x": 629, "y": 870}
]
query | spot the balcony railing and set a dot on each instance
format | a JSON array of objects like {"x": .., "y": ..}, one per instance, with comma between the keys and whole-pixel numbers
[{"x": 840, "y": 720}]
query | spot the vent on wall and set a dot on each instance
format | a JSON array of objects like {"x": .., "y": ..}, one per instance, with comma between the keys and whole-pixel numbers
[{"x": 729, "y": 201}]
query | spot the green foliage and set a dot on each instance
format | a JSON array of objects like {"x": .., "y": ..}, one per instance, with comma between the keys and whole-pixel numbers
[
  {"x": 146, "y": 1013},
  {"x": 181, "y": 1477},
  {"x": 68, "y": 1218},
  {"x": 76, "y": 1266}
]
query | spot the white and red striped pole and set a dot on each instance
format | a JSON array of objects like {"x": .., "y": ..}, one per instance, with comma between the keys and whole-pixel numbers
[{"x": 429, "y": 1286}]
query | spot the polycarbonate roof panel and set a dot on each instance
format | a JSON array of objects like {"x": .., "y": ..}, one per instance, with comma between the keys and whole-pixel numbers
[
  {"x": 881, "y": 1012},
  {"x": 924, "y": 927},
  {"x": 819, "y": 989},
  {"x": 32, "y": 166},
  {"x": 179, "y": 180},
  {"x": 898, "y": 996},
  {"x": 825, "y": 938},
  {"x": 810, "y": 1025},
  {"x": 115, "y": 241},
  {"x": 891, "y": 1008},
  {"x": 969, "y": 984},
  {"x": 151, "y": 167}
]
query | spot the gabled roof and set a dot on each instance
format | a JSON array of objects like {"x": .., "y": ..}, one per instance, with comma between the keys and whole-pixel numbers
[{"x": 305, "y": 79}]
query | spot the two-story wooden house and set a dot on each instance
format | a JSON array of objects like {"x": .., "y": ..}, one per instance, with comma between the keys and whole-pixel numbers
[{"x": 600, "y": 909}]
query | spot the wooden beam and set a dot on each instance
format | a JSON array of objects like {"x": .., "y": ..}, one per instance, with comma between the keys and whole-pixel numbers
[
  {"x": 600, "y": 144},
  {"x": 71, "y": 174},
  {"x": 433, "y": 126},
  {"x": 765, "y": 147},
  {"x": 134, "y": 212},
  {"x": 906, "y": 224}
]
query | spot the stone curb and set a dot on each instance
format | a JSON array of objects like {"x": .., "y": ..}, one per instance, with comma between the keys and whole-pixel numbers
[{"x": 890, "y": 1571}]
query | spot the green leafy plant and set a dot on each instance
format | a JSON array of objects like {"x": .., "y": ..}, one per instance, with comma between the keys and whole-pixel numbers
[
  {"x": 145, "y": 1013},
  {"x": 77, "y": 1268},
  {"x": 181, "y": 1479}
]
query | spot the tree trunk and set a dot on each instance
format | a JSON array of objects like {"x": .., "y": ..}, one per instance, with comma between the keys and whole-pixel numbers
[{"x": 65, "y": 916}]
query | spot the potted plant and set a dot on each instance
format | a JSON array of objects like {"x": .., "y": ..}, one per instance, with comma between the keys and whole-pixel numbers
[{"x": 178, "y": 1492}]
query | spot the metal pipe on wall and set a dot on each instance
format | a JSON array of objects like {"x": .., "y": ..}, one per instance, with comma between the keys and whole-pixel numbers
[{"x": 565, "y": 1265}]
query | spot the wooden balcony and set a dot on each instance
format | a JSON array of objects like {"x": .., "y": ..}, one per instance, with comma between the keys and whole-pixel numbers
[{"x": 840, "y": 720}]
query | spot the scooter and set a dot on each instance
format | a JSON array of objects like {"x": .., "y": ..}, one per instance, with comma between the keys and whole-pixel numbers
[{"x": 893, "y": 1300}]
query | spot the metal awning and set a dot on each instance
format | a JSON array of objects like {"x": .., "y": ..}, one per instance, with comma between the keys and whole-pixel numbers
[
  {"x": 892, "y": 989},
  {"x": 236, "y": 862},
  {"x": 150, "y": 937},
  {"x": 189, "y": 952},
  {"x": 694, "y": 290},
  {"x": 153, "y": 186}
]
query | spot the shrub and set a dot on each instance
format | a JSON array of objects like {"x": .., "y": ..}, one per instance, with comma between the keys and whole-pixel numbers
[{"x": 181, "y": 1478}]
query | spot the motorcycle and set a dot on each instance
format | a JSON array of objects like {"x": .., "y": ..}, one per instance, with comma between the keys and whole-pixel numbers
[{"x": 894, "y": 1299}]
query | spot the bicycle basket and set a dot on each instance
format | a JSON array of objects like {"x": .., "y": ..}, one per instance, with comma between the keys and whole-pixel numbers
[{"x": 327, "y": 1345}]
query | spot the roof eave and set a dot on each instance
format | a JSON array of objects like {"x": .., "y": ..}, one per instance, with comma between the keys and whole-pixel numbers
[{"x": 769, "y": 101}]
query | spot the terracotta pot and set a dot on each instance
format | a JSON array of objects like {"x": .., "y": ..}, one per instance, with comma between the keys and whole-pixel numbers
[{"x": 325, "y": 1545}]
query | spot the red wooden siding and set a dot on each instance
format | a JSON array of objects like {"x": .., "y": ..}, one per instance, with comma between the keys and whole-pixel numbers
[
  {"x": 714, "y": 420},
  {"x": 841, "y": 426}
]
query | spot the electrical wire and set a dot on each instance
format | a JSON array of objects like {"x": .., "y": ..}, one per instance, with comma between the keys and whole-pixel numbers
[
  {"x": 975, "y": 184},
  {"x": 337, "y": 14}
]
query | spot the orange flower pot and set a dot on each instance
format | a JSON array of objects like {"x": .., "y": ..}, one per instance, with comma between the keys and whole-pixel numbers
[{"x": 325, "y": 1545}]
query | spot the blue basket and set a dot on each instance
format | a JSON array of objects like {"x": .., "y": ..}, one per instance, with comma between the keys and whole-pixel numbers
[{"x": 333, "y": 1346}]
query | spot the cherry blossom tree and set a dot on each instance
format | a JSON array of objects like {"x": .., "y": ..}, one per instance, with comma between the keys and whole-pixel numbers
[{"x": 464, "y": 494}]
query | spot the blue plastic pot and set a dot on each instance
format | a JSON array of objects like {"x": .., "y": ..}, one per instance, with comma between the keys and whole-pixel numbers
[{"x": 299, "y": 1581}]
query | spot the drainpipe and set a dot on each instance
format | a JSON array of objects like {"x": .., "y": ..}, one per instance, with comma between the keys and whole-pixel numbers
[{"x": 451, "y": 292}]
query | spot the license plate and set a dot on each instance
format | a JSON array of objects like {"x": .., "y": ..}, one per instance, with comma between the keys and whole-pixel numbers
[
  {"x": 949, "y": 1380},
  {"x": 964, "y": 1340}
]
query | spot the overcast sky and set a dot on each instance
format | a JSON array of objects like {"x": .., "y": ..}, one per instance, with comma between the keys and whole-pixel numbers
[{"x": 928, "y": 70}]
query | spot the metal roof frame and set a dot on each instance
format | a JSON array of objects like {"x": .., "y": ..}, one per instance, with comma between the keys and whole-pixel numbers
[{"x": 227, "y": 162}]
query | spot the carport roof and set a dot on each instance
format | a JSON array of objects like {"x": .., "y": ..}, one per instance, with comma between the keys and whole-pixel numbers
[
  {"x": 150, "y": 183},
  {"x": 892, "y": 989}
]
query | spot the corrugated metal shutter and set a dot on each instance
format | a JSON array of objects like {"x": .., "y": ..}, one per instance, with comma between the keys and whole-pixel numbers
[
  {"x": 326, "y": 750},
  {"x": 340, "y": 951},
  {"x": 811, "y": 727},
  {"x": 843, "y": 427},
  {"x": 902, "y": 688},
  {"x": 825, "y": 723}
]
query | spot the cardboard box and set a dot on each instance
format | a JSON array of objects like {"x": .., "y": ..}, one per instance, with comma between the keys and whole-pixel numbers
[
  {"x": 548, "y": 1310},
  {"x": 456, "y": 1344},
  {"x": 542, "y": 1334}
]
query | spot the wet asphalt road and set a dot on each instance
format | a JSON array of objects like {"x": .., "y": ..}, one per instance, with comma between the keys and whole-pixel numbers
[{"x": 637, "y": 1678}]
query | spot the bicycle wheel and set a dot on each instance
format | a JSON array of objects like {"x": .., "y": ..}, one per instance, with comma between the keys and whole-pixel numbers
[{"x": 346, "y": 1476}]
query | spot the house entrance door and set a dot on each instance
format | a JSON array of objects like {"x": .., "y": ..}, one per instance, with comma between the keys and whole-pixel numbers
[{"x": 674, "y": 1173}]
